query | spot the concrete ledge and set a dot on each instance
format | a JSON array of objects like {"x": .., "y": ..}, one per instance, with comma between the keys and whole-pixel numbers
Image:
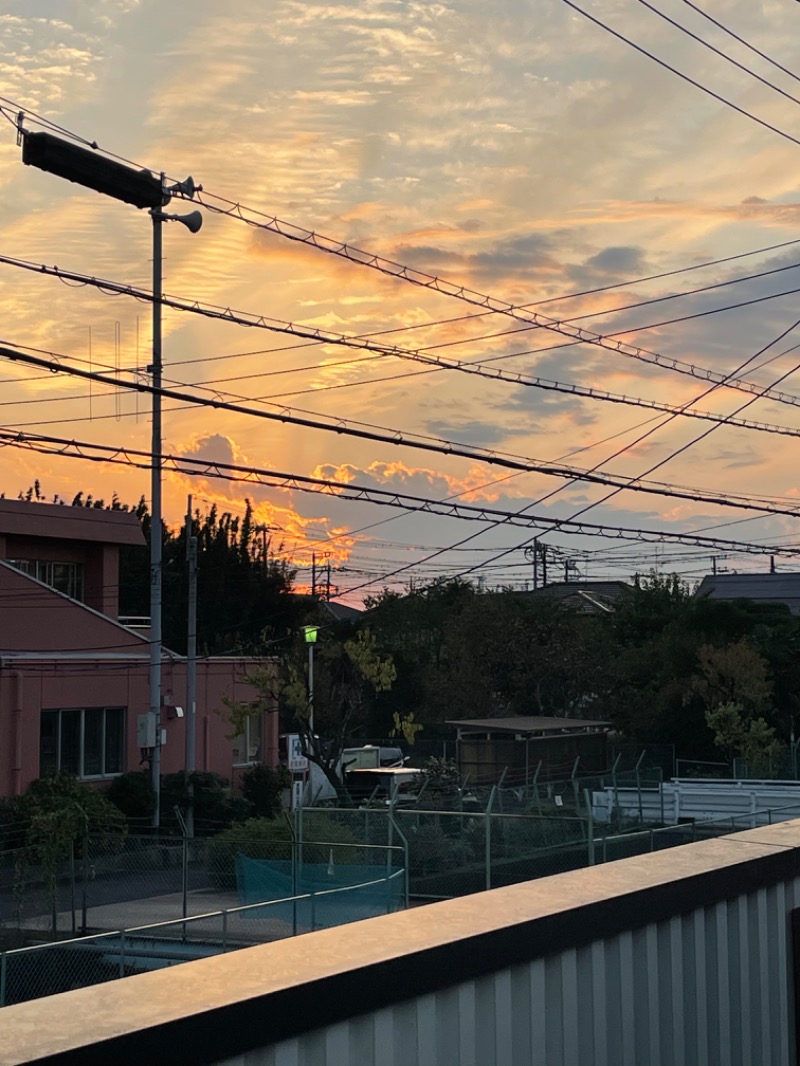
[{"x": 207, "y": 1011}]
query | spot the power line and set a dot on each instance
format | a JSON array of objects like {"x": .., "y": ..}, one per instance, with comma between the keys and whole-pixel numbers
[
  {"x": 741, "y": 40},
  {"x": 685, "y": 77},
  {"x": 396, "y": 437},
  {"x": 275, "y": 325},
  {"x": 419, "y": 278},
  {"x": 717, "y": 51},
  {"x": 353, "y": 491}
]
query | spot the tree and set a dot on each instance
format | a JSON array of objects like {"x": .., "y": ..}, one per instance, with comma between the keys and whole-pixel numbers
[
  {"x": 349, "y": 669},
  {"x": 60, "y": 813},
  {"x": 743, "y": 736}
]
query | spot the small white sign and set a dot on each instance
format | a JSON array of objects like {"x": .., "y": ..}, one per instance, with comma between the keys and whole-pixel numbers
[
  {"x": 298, "y": 789},
  {"x": 559, "y": 801},
  {"x": 296, "y": 760}
]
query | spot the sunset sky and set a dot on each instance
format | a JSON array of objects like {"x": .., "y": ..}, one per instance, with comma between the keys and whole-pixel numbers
[{"x": 517, "y": 149}]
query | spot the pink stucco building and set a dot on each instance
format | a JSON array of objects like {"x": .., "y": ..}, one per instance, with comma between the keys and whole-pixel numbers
[{"x": 73, "y": 679}]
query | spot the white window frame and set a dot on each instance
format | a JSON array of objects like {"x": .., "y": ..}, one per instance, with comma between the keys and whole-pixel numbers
[{"x": 103, "y": 775}]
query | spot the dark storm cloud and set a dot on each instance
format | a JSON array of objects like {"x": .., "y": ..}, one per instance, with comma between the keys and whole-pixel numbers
[{"x": 476, "y": 433}]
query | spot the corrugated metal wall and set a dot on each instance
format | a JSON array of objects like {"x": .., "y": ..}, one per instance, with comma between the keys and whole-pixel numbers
[{"x": 707, "y": 988}]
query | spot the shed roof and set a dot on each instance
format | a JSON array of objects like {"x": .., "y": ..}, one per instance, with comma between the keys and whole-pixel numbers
[{"x": 529, "y": 724}]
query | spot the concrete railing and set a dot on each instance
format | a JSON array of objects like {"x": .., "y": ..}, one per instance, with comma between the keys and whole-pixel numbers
[{"x": 679, "y": 958}]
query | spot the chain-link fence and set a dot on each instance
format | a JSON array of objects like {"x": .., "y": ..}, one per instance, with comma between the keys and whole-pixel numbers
[
  {"x": 131, "y": 881},
  {"x": 46, "y": 969}
]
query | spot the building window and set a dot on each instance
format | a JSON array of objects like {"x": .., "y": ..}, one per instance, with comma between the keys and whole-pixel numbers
[
  {"x": 84, "y": 741},
  {"x": 63, "y": 577},
  {"x": 247, "y": 745}
]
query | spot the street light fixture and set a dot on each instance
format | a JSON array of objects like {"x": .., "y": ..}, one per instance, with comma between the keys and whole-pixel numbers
[{"x": 86, "y": 167}]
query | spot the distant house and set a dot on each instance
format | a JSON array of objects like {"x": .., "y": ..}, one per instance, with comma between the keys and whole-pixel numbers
[
  {"x": 585, "y": 597},
  {"x": 774, "y": 589},
  {"x": 74, "y": 679}
]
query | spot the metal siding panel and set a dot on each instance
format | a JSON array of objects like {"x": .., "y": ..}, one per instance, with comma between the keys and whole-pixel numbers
[
  {"x": 723, "y": 983},
  {"x": 553, "y": 1019},
  {"x": 312, "y": 1049},
  {"x": 503, "y": 1019},
  {"x": 539, "y": 1006},
  {"x": 337, "y": 1044},
  {"x": 627, "y": 998},
  {"x": 781, "y": 937},
  {"x": 599, "y": 1000},
  {"x": 448, "y": 1029},
  {"x": 427, "y": 1023},
  {"x": 288, "y": 1053},
  {"x": 522, "y": 1046},
  {"x": 467, "y": 1043},
  {"x": 653, "y": 993},
  {"x": 701, "y": 1011},
  {"x": 485, "y": 1040},
  {"x": 383, "y": 1053},
  {"x": 677, "y": 990},
  {"x": 664, "y": 1004},
  {"x": 745, "y": 966},
  {"x": 570, "y": 1007},
  {"x": 405, "y": 1037},
  {"x": 361, "y": 1040},
  {"x": 764, "y": 974}
]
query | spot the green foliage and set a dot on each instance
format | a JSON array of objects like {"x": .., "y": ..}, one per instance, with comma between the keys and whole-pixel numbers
[
  {"x": 442, "y": 776},
  {"x": 742, "y": 735},
  {"x": 60, "y": 811},
  {"x": 215, "y": 805},
  {"x": 263, "y": 788},
  {"x": 405, "y": 726},
  {"x": 258, "y": 838},
  {"x": 271, "y": 838},
  {"x": 133, "y": 795}
]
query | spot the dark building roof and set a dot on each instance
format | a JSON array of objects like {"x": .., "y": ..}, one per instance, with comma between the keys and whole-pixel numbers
[
  {"x": 761, "y": 588},
  {"x": 19, "y": 518},
  {"x": 340, "y": 612},
  {"x": 528, "y": 724},
  {"x": 588, "y": 597}
]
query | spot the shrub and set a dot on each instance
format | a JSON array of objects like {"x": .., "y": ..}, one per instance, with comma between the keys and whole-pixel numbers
[
  {"x": 263, "y": 788},
  {"x": 133, "y": 794},
  {"x": 258, "y": 838},
  {"x": 271, "y": 838}
]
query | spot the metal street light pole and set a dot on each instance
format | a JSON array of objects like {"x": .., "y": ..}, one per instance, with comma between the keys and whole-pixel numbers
[
  {"x": 93, "y": 170},
  {"x": 193, "y": 221},
  {"x": 156, "y": 537},
  {"x": 310, "y": 634}
]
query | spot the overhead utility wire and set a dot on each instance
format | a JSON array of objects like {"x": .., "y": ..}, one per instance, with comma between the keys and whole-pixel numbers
[
  {"x": 484, "y": 367},
  {"x": 329, "y": 337},
  {"x": 447, "y": 288},
  {"x": 717, "y": 51},
  {"x": 674, "y": 70},
  {"x": 354, "y": 491},
  {"x": 678, "y": 451},
  {"x": 741, "y": 40},
  {"x": 397, "y": 438}
]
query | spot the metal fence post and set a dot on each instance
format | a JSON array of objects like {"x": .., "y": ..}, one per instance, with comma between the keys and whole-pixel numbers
[
  {"x": 488, "y": 835},
  {"x": 85, "y": 878},
  {"x": 313, "y": 912},
  {"x": 122, "y": 953},
  {"x": 589, "y": 826},
  {"x": 224, "y": 931},
  {"x": 3, "y": 962}
]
